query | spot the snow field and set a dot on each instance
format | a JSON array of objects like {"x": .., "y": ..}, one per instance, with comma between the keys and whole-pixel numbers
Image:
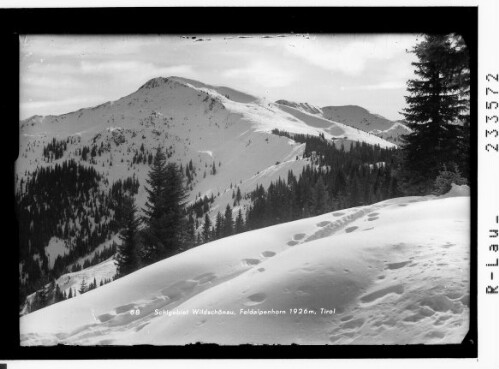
[{"x": 396, "y": 272}]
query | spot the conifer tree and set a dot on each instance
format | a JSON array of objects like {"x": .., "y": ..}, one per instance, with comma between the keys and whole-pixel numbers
[
  {"x": 155, "y": 208},
  {"x": 219, "y": 225},
  {"x": 239, "y": 225},
  {"x": 164, "y": 211},
  {"x": 190, "y": 232},
  {"x": 228, "y": 222},
  {"x": 40, "y": 299},
  {"x": 83, "y": 286},
  {"x": 321, "y": 197},
  {"x": 435, "y": 109},
  {"x": 207, "y": 229},
  {"x": 58, "y": 296},
  {"x": 175, "y": 218},
  {"x": 238, "y": 196},
  {"x": 127, "y": 258}
]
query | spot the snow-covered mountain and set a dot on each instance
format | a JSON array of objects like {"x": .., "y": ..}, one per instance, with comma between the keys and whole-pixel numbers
[
  {"x": 197, "y": 122},
  {"x": 395, "y": 272},
  {"x": 394, "y": 133},
  {"x": 355, "y": 117},
  {"x": 210, "y": 126}
]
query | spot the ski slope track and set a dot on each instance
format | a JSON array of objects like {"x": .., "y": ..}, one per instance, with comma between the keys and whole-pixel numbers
[{"x": 395, "y": 272}]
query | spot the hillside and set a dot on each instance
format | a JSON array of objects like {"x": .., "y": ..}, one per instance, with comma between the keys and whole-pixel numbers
[
  {"x": 395, "y": 272},
  {"x": 224, "y": 136},
  {"x": 352, "y": 116},
  {"x": 195, "y": 121},
  {"x": 394, "y": 133},
  {"x": 357, "y": 117}
]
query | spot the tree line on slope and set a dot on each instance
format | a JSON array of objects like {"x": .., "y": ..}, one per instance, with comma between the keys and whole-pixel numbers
[
  {"x": 334, "y": 180},
  {"x": 64, "y": 201},
  {"x": 434, "y": 155},
  {"x": 168, "y": 226},
  {"x": 52, "y": 294},
  {"x": 437, "y": 151}
]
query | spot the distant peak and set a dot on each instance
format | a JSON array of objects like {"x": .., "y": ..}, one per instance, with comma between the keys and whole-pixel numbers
[
  {"x": 304, "y": 106},
  {"x": 161, "y": 81},
  {"x": 347, "y": 107},
  {"x": 155, "y": 82}
]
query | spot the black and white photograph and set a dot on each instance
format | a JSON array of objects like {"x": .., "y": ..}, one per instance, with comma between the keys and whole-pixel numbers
[
  {"x": 262, "y": 189},
  {"x": 261, "y": 184}
]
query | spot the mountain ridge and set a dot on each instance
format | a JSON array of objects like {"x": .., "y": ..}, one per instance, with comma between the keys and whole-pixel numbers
[{"x": 223, "y": 134}]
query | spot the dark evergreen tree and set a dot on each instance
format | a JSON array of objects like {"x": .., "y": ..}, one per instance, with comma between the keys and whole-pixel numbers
[
  {"x": 127, "y": 257},
  {"x": 164, "y": 211},
  {"x": 83, "y": 286},
  {"x": 190, "y": 233},
  {"x": 228, "y": 222},
  {"x": 238, "y": 196},
  {"x": 239, "y": 225},
  {"x": 435, "y": 108},
  {"x": 207, "y": 228},
  {"x": 322, "y": 204},
  {"x": 58, "y": 296},
  {"x": 219, "y": 225},
  {"x": 40, "y": 299}
]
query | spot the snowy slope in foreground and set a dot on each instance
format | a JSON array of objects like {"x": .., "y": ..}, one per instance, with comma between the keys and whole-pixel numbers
[{"x": 396, "y": 272}]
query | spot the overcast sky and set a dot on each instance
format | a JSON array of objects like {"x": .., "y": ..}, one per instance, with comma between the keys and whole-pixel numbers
[{"x": 59, "y": 74}]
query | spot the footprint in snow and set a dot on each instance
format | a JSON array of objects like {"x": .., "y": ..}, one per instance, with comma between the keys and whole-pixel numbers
[
  {"x": 141, "y": 326},
  {"x": 250, "y": 262},
  {"x": 205, "y": 278},
  {"x": 298, "y": 236},
  {"x": 338, "y": 214},
  {"x": 323, "y": 224},
  {"x": 372, "y": 219},
  {"x": 351, "y": 229},
  {"x": 255, "y": 299},
  {"x": 124, "y": 308},
  {"x": 435, "y": 334},
  {"x": 292, "y": 243},
  {"x": 378, "y": 294},
  {"x": 399, "y": 265},
  {"x": 448, "y": 244},
  {"x": 268, "y": 254},
  {"x": 353, "y": 324},
  {"x": 105, "y": 317}
]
